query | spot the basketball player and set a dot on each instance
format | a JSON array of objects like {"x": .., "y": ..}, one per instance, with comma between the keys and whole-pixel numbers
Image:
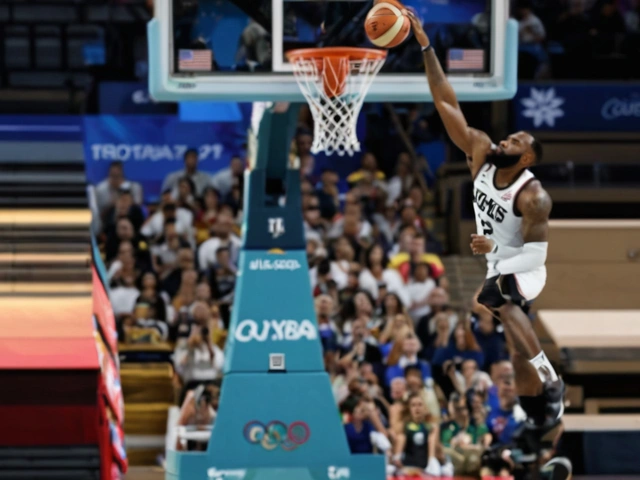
[{"x": 512, "y": 215}]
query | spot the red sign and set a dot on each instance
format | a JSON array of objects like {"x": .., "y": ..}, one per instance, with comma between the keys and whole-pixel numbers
[{"x": 103, "y": 311}]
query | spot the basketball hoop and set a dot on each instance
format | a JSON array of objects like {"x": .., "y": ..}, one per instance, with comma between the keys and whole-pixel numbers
[{"x": 334, "y": 81}]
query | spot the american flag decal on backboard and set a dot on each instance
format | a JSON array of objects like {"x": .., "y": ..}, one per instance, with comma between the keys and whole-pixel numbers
[
  {"x": 465, "y": 59},
  {"x": 195, "y": 60}
]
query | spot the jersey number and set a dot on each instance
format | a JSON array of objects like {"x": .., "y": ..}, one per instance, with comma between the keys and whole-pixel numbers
[{"x": 487, "y": 229}]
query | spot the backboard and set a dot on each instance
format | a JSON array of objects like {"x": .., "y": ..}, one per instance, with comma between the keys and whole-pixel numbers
[{"x": 235, "y": 49}]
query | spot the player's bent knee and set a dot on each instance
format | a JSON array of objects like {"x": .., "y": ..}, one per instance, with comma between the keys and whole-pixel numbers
[{"x": 507, "y": 311}]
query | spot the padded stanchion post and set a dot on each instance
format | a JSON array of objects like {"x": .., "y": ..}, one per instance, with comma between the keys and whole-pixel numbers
[{"x": 277, "y": 419}]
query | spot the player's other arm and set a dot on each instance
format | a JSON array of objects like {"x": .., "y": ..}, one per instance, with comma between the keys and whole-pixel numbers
[
  {"x": 466, "y": 138},
  {"x": 535, "y": 205}
]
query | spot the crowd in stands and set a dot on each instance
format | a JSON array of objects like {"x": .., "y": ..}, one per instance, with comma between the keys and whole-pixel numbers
[
  {"x": 577, "y": 33},
  {"x": 426, "y": 383}
]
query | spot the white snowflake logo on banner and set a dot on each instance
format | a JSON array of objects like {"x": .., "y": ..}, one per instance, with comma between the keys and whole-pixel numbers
[{"x": 543, "y": 107}]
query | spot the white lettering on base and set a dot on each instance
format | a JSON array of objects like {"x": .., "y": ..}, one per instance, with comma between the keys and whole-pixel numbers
[{"x": 276, "y": 330}]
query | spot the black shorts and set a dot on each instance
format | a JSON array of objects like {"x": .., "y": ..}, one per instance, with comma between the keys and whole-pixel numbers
[{"x": 499, "y": 290}]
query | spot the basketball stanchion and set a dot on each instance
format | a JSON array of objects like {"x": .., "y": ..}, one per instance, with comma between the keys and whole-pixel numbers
[{"x": 277, "y": 418}]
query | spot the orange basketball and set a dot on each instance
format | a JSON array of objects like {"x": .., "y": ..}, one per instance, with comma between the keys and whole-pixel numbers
[{"x": 386, "y": 26}]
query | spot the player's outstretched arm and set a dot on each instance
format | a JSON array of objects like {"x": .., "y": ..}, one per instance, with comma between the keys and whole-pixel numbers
[
  {"x": 535, "y": 206},
  {"x": 445, "y": 99}
]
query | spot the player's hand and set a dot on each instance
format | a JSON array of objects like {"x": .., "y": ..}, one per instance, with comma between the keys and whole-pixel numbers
[
  {"x": 481, "y": 245},
  {"x": 416, "y": 25}
]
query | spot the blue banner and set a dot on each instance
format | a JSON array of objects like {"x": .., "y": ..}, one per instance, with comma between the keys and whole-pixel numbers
[
  {"x": 129, "y": 98},
  {"x": 151, "y": 147},
  {"x": 578, "y": 107}
]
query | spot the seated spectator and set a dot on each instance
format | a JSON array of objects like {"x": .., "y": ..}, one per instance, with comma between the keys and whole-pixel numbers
[
  {"x": 207, "y": 214},
  {"x": 390, "y": 306},
  {"x": 198, "y": 411},
  {"x": 388, "y": 224},
  {"x": 150, "y": 313},
  {"x": 172, "y": 280},
  {"x": 164, "y": 254},
  {"x": 419, "y": 289},
  {"x": 471, "y": 378},
  {"x": 403, "y": 261},
  {"x": 401, "y": 183},
  {"x": 398, "y": 329},
  {"x": 491, "y": 342},
  {"x": 223, "y": 181},
  {"x": 440, "y": 339},
  {"x": 360, "y": 346},
  {"x": 185, "y": 195},
  {"x": 201, "y": 180},
  {"x": 186, "y": 294},
  {"x": 415, "y": 447},
  {"x": 108, "y": 189},
  {"x": 364, "y": 429},
  {"x": 123, "y": 207},
  {"x": 154, "y": 226},
  {"x": 328, "y": 194},
  {"x": 376, "y": 274},
  {"x": 410, "y": 348},
  {"x": 462, "y": 438},
  {"x": 196, "y": 358},
  {"x": 462, "y": 346},
  {"x": 222, "y": 237},
  {"x": 438, "y": 303},
  {"x": 505, "y": 419},
  {"x": 501, "y": 371},
  {"x": 327, "y": 327},
  {"x": 398, "y": 393},
  {"x": 369, "y": 168},
  {"x": 314, "y": 224},
  {"x": 222, "y": 277},
  {"x": 124, "y": 232}
]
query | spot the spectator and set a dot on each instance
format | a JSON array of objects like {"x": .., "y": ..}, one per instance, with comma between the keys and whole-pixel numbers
[
  {"x": 415, "y": 449},
  {"x": 201, "y": 180},
  {"x": 398, "y": 393},
  {"x": 462, "y": 438},
  {"x": 410, "y": 348},
  {"x": 491, "y": 342},
  {"x": 124, "y": 207},
  {"x": 440, "y": 338},
  {"x": 403, "y": 180},
  {"x": 505, "y": 419},
  {"x": 223, "y": 236},
  {"x": 532, "y": 34},
  {"x": 165, "y": 254},
  {"x": 419, "y": 290},
  {"x": 185, "y": 195},
  {"x": 328, "y": 194},
  {"x": 368, "y": 170},
  {"x": 207, "y": 214},
  {"x": 401, "y": 323},
  {"x": 365, "y": 428},
  {"x": 154, "y": 226},
  {"x": 360, "y": 346},
  {"x": 222, "y": 277},
  {"x": 108, "y": 189},
  {"x": 223, "y": 181},
  {"x": 314, "y": 224},
  {"x": 197, "y": 359},
  {"x": 390, "y": 306},
  {"x": 198, "y": 411},
  {"x": 172, "y": 281},
  {"x": 403, "y": 261},
  {"x": 376, "y": 274},
  {"x": 339, "y": 268},
  {"x": 462, "y": 346}
]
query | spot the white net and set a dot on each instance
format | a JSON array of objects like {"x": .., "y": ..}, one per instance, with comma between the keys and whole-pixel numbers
[{"x": 335, "y": 88}]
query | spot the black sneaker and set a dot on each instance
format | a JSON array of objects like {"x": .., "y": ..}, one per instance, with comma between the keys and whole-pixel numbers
[
  {"x": 554, "y": 395},
  {"x": 558, "y": 468}
]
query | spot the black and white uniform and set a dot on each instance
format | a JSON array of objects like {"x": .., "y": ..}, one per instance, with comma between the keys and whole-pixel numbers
[{"x": 498, "y": 218}]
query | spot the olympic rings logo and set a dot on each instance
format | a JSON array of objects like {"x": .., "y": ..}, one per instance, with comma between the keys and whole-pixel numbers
[{"x": 277, "y": 433}]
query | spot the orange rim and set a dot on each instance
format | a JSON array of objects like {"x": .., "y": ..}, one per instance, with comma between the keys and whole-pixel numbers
[{"x": 352, "y": 53}]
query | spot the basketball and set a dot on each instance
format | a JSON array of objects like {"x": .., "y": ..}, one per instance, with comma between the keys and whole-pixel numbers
[{"x": 386, "y": 26}]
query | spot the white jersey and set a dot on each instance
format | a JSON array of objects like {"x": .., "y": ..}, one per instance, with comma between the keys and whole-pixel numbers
[{"x": 497, "y": 217}]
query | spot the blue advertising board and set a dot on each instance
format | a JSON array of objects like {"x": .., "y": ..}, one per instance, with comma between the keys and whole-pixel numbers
[
  {"x": 151, "y": 147},
  {"x": 129, "y": 98},
  {"x": 578, "y": 107}
]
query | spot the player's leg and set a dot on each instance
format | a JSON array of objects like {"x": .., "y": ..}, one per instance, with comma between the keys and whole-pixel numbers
[{"x": 502, "y": 294}]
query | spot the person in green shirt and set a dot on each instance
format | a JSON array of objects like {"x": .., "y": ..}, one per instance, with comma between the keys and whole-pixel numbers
[{"x": 463, "y": 439}]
